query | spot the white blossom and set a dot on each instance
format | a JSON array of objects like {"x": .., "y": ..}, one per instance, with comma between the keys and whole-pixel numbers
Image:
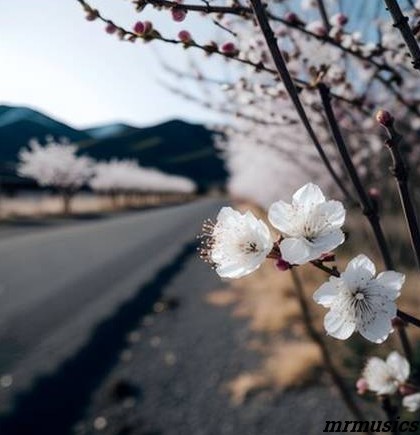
[
  {"x": 412, "y": 402},
  {"x": 236, "y": 244},
  {"x": 310, "y": 225},
  {"x": 55, "y": 164},
  {"x": 316, "y": 27},
  {"x": 385, "y": 377},
  {"x": 360, "y": 302},
  {"x": 128, "y": 176}
]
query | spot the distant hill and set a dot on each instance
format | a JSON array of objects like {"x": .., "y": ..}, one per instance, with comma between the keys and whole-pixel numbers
[{"x": 176, "y": 147}]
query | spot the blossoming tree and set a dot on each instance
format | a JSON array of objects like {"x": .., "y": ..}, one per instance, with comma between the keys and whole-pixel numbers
[
  {"x": 123, "y": 177},
  {"x": 55, "y": 165},
  {"x": 303, "y": 98}
]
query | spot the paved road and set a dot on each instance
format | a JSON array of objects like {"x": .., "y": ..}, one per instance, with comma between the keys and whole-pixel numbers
[{"x": 65, "y": 287}]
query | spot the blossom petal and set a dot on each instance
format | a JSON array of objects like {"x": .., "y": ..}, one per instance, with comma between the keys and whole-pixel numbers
[
  {"x": 326, "y": 294},
  {"x": 308, "y": 196},
  {"x": 228, "y": 214},
  {"x": 378, "y": 326},
  {"x": 333, "y": 213},
  {"x": 359, "y": 272},
  {"x": 338, "y": 325},
  {"x": 235, "y": 270},
  {"x": 399, "y": 366},
  {"x": 391, "y": 282},
  {"x": 328, "y": 242},
  {"x": 282, "y": 216},
  {"x": 377, "y": 375},
  {"x": 412, "y": 402},
  {"x": 296, "y": 250}
]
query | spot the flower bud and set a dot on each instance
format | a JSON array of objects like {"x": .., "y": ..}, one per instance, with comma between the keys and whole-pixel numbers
[
  {"x": 185, "y": 36},
  {"x": 328, "y": 257},
  {"x": 139, "y": 28},
  {"x": 398, "y": 323},
  {"x": 317, "y": 28},
  {"x": 339, "y": 20},
  {"x": 229, "y": 48},
  {"x": 362, "y": 386},
  {"x": 384, "y": 118},
  {"x": 374, "y": 192},
  {"x": 293, "y": 18},
  {"x": 178, "y": 14},
  {"x": 148, "y": 26},
  {"x": 92, "y": 15},
  {"x": 110, "y": 28},
  {"x": 406, "y": 390},
  {"x": 282, "y": 265}
]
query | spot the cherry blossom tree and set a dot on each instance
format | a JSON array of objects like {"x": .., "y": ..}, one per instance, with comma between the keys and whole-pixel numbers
[
  {"x": 118, "y": 177},
  {"x": 55, "y": 165}
]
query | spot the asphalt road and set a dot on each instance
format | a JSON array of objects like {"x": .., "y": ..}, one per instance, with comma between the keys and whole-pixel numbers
[{"x": 65, "y": 291}]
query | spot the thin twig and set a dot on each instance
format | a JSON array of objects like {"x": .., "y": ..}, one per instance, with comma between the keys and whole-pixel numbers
[
  {"x": 208, "y": 49},
  {"x": 365, "y": 203},
  {"x": 389, "y": 410},
  {"x": 401, "y": 23},
  {"x": 247, "y": 13},
  {"x": 400, "y": 172},
  {"x": 324, "y": 15}
]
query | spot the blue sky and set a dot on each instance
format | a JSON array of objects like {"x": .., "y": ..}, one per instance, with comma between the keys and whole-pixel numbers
[{"x": 57, "y": 62}]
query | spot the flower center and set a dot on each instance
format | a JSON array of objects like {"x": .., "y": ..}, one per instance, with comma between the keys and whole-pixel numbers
[
  {"x": 359, "y": 296},
  {"x": 249, "y": 247}
]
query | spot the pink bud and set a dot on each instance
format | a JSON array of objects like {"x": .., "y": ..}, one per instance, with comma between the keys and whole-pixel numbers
[
  {"x": 317, "y": 28},
  {"x": 185, "y": 36},
  {"x": 92, "y": 15},
  {"x": 384, "y": 118},
  {"x": 328, "y": 257},
  {"x": 228, "y": 48},
  {"x": 110, "y": 28},
  {"x": 178, "y": 14},
  {"x": 139, "y": 28},
  {"x": 339, "y": 20},
  {"x": 406, "y": 390},
  {"x": 374, "y": 192},
  {"x": 398, "y": 323},
  {"x": 362, "y": 386},
  {"x": 282, "y": 265},
  {"x": 148, "y": 26},
  {"x": 292, "y": 18}
]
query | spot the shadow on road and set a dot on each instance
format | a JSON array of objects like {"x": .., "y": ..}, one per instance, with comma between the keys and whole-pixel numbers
[{"x": 57, "y": 401}]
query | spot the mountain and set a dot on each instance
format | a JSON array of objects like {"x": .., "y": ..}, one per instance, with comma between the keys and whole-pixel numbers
[{"x": 176, "y": 147}]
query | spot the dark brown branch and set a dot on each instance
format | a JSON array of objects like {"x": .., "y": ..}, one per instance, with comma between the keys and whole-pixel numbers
[
  {"x": 324, "y": 15},
  {"x": 400, "y": 172},
  {"x": 401, "y": 23},
  {"x": 247, "y": 13},
  {"x": 364, "y": 201},
  {"x": 131, "y": 36},
  {"x": 291, "y": 89},
  {"x": 389, "y": 410}
]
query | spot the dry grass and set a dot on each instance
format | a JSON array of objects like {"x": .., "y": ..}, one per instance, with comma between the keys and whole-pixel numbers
[
  {"x": 292, "y": 364},
  {"x": 267, "y": 299},
  {"x": 44, "y": 204},
  {"x": 221, "y": 298}
]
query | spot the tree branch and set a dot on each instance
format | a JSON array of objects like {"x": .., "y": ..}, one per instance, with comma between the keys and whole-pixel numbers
[
  {"x": 401, "y": 23},
  {"x": 291, "y": 89}
]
